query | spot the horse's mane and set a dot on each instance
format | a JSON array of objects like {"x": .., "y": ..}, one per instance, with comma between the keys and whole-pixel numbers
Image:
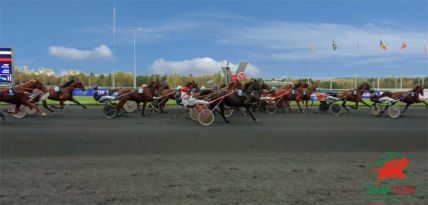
[{"x": 66, "y": 84}]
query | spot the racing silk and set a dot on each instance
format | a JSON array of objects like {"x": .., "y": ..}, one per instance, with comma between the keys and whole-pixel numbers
[
  {"x": 189, "y": 101},
  {"x": 320, "y": 96},
  {"x": 304, "y": 92}
]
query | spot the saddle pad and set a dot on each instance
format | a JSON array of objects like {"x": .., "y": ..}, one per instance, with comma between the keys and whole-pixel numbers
[
  {"x": 56, "y": 89},
  {"x": 354, "y": 92},
  {"x": 240, "y": 93},
  {"x": 140, "y": 90}
]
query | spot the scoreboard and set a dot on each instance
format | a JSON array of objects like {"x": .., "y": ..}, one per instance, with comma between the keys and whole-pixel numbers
[{"x": 6, "y": 67}]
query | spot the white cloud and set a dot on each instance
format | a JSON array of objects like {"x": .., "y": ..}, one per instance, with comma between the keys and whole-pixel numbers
[
  {"x": 101, "y": 51},
  {"x": 197, "y": 66}
]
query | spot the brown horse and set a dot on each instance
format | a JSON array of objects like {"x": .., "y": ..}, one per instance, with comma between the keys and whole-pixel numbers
[
  {"x": 21, "y": 96},
  {"x": 409, "y": 97},
  {"x": 166, "y": 93},
  {"x": 355, "y": 95},
  {"x": 63, "y": 93},
  {"x": 243, "y": 96},
  {"x": 146, "y": 95},
  {"x": 291, "y": 93},
  {"x": 306, "y": 92}
]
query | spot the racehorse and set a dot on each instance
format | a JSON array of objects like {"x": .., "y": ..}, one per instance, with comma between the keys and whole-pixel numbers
[
  {"x": 243, "y": 96},
  {"x": 19, "y": 95},
  {"x": 166, "y": 93},
  {"x": 291, "y": 93},
  {"x": 355, "y": 95},
  {"x": 306, "y": 92},
  {"x": 63, "y": 93},
  {"x": 408, "y": 97},
  {"x": 144, "y": 94}
]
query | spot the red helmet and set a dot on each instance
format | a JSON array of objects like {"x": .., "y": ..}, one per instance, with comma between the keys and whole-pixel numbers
[{"x": 184, "y": 88}]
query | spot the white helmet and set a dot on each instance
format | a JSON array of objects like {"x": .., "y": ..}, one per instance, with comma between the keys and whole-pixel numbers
[
  {"x": 203, "y": 88},
  {"x": 178, "y": 87}
]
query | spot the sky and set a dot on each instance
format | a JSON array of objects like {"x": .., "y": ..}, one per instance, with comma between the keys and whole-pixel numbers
[{"x": 277, "y": 38}]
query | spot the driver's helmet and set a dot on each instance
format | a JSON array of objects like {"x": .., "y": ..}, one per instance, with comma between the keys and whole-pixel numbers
[
  {"x": 184, "y": 88},
  {"x": 203, "y": 88},
  {"x": 178, "y": 87},
  {"x": 318, "y": 90},
  {"x": 273, "y": 88}
]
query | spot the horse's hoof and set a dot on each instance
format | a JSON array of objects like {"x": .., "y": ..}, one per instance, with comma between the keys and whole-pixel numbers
[
  {"x": 44, "y": 114},
  {"x": 227, "y": 121}
]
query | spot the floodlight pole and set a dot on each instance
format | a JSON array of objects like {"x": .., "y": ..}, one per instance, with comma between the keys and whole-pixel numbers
[{"x": 134, "y": 30}]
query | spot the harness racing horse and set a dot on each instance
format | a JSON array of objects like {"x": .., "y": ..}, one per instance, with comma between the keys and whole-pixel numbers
[
  {"x": 291, "y": 93},
  {"x": 146, "y": 95},
  {"x": 353, "y": 96},
  {"x": 19, "y": 95},
  {"x": 306, "y": 92},
  {"x": 409, "y": 97},
  {"x": 63, "y": 93},
  {"x": 166, "y": 93},
  {"x": 243, "y": 96}
]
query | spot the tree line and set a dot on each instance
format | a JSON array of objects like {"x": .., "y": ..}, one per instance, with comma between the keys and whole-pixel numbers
[{"x": 125, "y": 79}]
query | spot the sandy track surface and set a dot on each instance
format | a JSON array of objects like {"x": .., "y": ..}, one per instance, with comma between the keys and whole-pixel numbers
[{"x": 78, "y": 157}]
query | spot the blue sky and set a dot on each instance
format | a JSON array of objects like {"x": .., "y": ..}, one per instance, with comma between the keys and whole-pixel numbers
[{"x": 199, "y": 36}]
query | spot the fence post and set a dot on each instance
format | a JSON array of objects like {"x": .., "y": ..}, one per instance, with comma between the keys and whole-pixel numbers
[
  {"x": 401, "y": 82},
  {"x": 331, "y": 84}
]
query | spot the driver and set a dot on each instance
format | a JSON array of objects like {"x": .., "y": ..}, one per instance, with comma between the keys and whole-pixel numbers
[{"x": 189, "y": 101}]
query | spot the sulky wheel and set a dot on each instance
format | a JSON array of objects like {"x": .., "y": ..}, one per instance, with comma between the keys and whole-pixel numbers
[
  {"x": 110, "y": 111},
  {"x": 30, "y": 111},
  {"x": 271, "y": 108},
  {"x": 130, "y": 106},
  {"x": 323, "y": 107},
  {"x": 228, "y": 111},
  {"x": 375, "y": 109},
  {"x": 394, "y": 111},
  {"x": 153, "y": 108},
  {"x": 206, "y": 117},
  {"x": 21, "y": 113},
  {"x": 194, "y": 113},
  {"x": 120, "y": 112},
  {"x": 335, "y": 109}
]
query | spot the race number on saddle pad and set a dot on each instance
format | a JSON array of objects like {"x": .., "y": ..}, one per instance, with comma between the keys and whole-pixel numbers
[
  {"x": 56, "y": 88},
  {"x": 240, "y": 93},
  {"x": 354, "y": 92},
  {"x": 140, "y": 90}
]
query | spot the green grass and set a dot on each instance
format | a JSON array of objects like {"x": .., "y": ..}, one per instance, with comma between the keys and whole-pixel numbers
[{"x": 89, "y": 100}]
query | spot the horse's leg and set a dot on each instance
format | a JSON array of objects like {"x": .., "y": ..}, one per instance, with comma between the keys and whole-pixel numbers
[
  {"x": 2, "y": 116},
  {"x": 356, "y": 105},
  {"x": 407, "y": 106},
  {"x": 77, "y": 102},
  {"x": 144, "y": 108},
  {"x": 247, "y": 107},
  {"x": 34, "y": 106},
  {"x": 344, "y": 105},
  {"x": 17, "y": 108},
  {"x": 307, "y": 102},
  {"x": 221, "y": 106},
  {"x": 298, "y": 104},
  {"x": 45, "y": 105}
]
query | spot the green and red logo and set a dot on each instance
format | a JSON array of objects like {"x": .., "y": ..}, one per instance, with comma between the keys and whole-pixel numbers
[{"x": 391, "y": 177}]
